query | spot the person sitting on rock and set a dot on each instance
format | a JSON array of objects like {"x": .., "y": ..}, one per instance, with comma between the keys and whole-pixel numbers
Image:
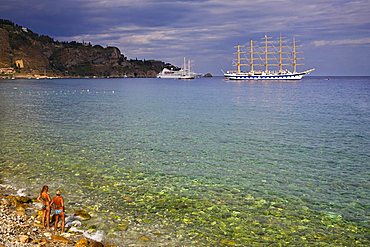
[
  {"x": 44, "y": 198},
  {"x": 58, "y": 205}
]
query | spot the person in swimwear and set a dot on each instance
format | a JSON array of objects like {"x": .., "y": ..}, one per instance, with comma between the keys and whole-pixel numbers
[
  {"x": 58, "y": 203},
  {"x": 44, "y": 198}
]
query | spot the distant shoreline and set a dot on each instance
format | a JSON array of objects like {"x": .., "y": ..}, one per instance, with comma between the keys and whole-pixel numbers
[{"x": 43, "y": 77}]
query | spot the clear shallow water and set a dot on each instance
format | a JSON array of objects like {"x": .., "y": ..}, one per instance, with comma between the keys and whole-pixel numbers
[{"x": 202, "y": 162}]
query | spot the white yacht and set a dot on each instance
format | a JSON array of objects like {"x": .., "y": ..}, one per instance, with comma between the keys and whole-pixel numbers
[{"x": 183, "y": 73}]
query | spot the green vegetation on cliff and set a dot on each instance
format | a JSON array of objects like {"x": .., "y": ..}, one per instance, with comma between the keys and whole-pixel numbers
[{"x": 41, "y": 54}]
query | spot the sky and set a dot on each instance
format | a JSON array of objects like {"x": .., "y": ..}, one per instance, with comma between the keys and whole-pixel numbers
[{"x": 334, "y": 35}]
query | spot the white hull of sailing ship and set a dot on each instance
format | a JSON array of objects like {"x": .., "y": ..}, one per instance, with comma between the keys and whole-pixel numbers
[
  {"x": 286, "y": 75},
  {"x": 261, "y": 56},
  {"x": 184, "y": 73}
]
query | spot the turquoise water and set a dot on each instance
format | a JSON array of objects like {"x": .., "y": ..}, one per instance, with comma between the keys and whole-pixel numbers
[{"x": 205, "y": 162}]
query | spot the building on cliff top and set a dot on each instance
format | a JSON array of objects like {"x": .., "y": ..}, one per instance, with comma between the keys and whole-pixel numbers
[{"x": 19, "y": 63}]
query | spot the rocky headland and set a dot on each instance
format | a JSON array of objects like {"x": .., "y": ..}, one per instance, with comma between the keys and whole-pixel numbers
[
  {"x": 20, "y": 225},
  {"x": 24, "y": 53}
]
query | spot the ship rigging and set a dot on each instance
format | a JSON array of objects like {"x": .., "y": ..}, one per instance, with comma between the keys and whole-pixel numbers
[{"x": 264, "y": 57}]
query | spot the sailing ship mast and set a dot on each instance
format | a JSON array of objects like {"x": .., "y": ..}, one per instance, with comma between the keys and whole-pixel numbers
[
  {"x": 266, "y": 55},
  {"x": 295, "y": 58},
  {"x": 239, "y": 59},
  {"x": 189, "y": 67},
  {"x": 265, "y": 58},
  {"x": 281, "y": 54},
  {"x": 251, "y": 57},
  {"x": 264, "y": 52}
]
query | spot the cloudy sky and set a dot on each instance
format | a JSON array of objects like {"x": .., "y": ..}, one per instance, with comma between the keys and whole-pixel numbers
[{"x": 334, "y": 34}]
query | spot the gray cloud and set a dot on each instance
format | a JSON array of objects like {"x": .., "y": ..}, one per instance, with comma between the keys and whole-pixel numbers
[
  {"x": 208, "y": 29},
  {"x": 342, "y": 42}
]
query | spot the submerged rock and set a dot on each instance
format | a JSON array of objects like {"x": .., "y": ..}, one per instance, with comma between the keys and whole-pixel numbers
[
  {"x": 94, "y": 243},
  {"x": 128, "y": 199},
  {"x": 122, "y": 226},
  {"x": 83, "y": 242},
  {"x": 82, "y": 214},
  {"x": 144, "y": 238},
  {"x": 228, "y": 242},
  {"x": 23, "y": 199},
  {"x": 60, "y": 239}
]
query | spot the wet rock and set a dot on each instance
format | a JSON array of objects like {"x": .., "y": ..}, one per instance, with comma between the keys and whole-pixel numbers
[
  {"x": 144, "y": 238},
  {"x": 74, "y": 223},
  {"x": 83, "y": 242},
  {"x": 128, "y": 199},
  {"x": 44, "y": 241},
  {"x": 95, "y": 244},
  {"x": 23, "y": 199},
  {"x": 12, "y": 200},
  {"x": 24, "y": 239},
  {"x": 20, "y": 210},
  {"x": 82, "y": 214},
  {"x": 228, "y": 242},
  {"x": 92, "y": 228},
  {"x": 122, "y": 227},
  {"x": 5, "y": 202},
  {"x": 60, "y": 239},
  {"x": 40, "y": 241},
  {"x": 38, "y": 224}
]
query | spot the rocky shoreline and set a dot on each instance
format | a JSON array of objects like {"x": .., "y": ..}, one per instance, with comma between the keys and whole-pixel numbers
[{"x": 20, "y": 225}]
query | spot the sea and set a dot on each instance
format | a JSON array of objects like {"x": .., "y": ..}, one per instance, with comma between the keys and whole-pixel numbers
[{"x": 204, "y": 162}]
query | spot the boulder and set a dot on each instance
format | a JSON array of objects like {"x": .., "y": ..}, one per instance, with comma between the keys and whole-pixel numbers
[
  {"x": 82, "y": 214},
  {"x": 6, "y": 202},
  {"x": 60, "y": 239},
  {"x": 128, "y": 199},
  {"x": 21, "y": 211},
  {"x": 144, "y": 238},
  {"x": 24, "y": 239},
  {"x": 83, "y": 242},
  {"x": 95, "y": 244},
  {"x": 23, "y": 199}
]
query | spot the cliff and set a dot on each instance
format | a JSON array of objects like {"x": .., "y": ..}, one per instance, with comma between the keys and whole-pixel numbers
[{"x": 30, "y": 53}]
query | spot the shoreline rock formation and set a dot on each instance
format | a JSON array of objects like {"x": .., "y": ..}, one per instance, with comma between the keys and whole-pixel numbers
[
  {"x": 30, "y": 54},
  {"x": 20, "y": 225}
]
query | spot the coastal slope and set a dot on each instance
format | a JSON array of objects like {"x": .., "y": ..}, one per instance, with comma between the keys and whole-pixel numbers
[{"x": 25, "y": 52}]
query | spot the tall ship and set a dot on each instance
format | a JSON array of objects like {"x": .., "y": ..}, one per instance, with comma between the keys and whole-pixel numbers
[
  {"x": 267, "y": 60},
  {"x": 184, "y": 73}
]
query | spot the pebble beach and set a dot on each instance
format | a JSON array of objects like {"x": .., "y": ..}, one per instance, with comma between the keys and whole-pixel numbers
[{"x": 20, "y": 225}]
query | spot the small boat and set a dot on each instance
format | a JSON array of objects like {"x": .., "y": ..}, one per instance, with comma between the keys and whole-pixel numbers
[
  {"x": 184, "y": 73},
  {"x": 260, "y": 56}
]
